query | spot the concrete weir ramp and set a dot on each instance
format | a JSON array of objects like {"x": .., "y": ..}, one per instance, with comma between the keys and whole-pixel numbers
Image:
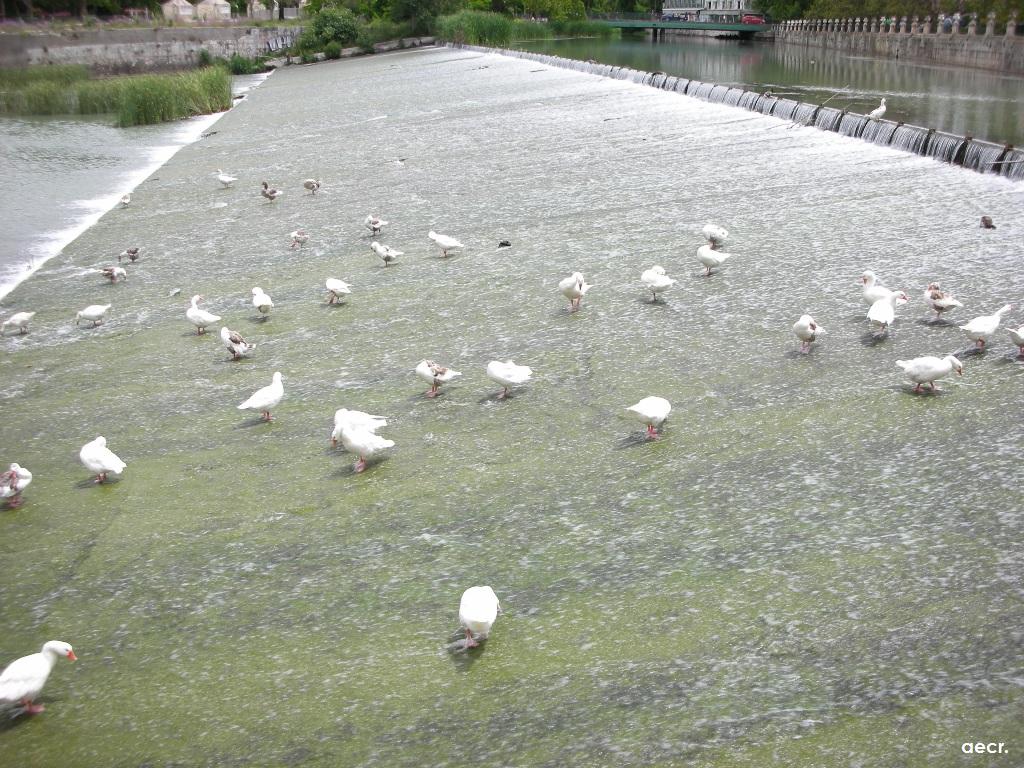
[{"x": 810, "y": 565}]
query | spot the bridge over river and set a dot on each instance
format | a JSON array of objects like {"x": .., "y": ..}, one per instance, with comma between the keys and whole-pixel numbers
[{"x": 659, "y": 26}]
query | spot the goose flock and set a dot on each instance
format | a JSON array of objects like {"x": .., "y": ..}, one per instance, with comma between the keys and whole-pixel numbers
[{"x": 358, "y": 432}]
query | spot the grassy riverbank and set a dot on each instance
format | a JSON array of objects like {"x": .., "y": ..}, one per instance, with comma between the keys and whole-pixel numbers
[
  {"x": 135, "y": 100},
  {"x": 482, "y": 28}
]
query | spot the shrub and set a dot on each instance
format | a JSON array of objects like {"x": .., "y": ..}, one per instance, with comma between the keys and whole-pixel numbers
[
  {"x": 476, "y": 28},
  {"x": 333, "y": 50},
  {"x": 331, "y": 25}
]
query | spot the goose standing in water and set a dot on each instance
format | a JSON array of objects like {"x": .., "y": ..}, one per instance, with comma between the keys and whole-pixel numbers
[
  {"x": 236, "y": 345},
  {"x": 873, "y": 290},
  {"x": 478, "y": 609},
  {"x": 928, "y": 369},
  {"x": 347, "y": 419},
  {"x": 807, "y": 331},
  {"x": 100, "y": 460},
  {"x": 270, "y": 193},
  {"x": 126, "y": 200},
  {"x": 574, "y": 287},
  {"x": 94, "y": 313},
  {"x": 656, "y": 281},
  {"x": 312, "y": 185},
  {"x": 877, "y": 112},
  {"x": 12, "y": 482},
  {"x": 387, "y": 254},
  {"x": 883, "y": 312},
  {"x": 711, "y": 257},
  {"x": 128, "y": 253},
  {"x": 264, "y": 399},
  {"x": 23, "y": 679},
  {"x": 113, "y": 274},
  {"x": 299, "y": 237},
  {"x": 508, "y": 374},
  {"x": 224, "y": 179},
  {"x": 715, "y": 235},
  {"x": 337, "y": 290},
  {"x": 374, "y": 223},
  {"x": 652, "y": 411},
  {"x": 358, "y": 434},
  {"x": 939, "y": 300},
  {"x": 444, "y": 242},
  {"x": 1017, "y": 337},
  {"x": 18, "y": 320},
  {"x": 435, "y": 374},
  {"x": 261, "y": 301},
  {"x": 200, "y": 318},
  {"x": 980, "y": 328}
]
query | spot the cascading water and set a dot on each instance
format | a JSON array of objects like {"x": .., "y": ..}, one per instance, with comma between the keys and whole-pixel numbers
[{"x": 977, "y": 155}]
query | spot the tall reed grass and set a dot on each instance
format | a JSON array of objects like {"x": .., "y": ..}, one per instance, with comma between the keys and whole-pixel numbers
[
  {"x": 486, "y": 28},
  {"x": 136, "y": 100}
]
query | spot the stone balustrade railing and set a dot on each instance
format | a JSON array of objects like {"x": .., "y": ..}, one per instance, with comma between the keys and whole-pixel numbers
[{"x": 893, "y": 25}]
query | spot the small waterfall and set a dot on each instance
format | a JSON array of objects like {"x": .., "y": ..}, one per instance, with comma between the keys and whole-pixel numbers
[
  {"x": 733, "y": 96},
  {"x": 911, "y": 138},
  {"x": 981, "y": 156},
  {"x": 785, "y": 108},
  {"x": 804, "y": 113},
  {"x": 828, "y": 119},
  {"x": 944, "y": 146},
  {"x": 852, "y": 124}
]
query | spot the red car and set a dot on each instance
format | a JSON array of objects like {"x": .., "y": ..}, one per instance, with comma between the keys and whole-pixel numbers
[{"x": 752, "y": 18}]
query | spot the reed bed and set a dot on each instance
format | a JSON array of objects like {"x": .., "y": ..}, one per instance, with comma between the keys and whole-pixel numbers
[
  {"x": 135, "y": 100},
  {"x": 486, "y": 28}
]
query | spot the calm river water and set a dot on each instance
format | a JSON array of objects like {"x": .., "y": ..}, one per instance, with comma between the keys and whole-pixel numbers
[
  {"x": 811, "y": 566},
  {"x": 986, "y": 105}
]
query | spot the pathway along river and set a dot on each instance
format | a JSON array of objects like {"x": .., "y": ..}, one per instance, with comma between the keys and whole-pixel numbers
[
  {"x": 986, "y": 105},
  {"x": 811, "y": 566}
]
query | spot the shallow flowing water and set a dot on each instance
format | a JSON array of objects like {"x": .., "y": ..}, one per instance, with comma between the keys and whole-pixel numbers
[{"x": 810, "y": 566}]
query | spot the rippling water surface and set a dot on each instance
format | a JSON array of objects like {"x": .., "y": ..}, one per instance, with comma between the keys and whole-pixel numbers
[{"x": 812, "y": 566}]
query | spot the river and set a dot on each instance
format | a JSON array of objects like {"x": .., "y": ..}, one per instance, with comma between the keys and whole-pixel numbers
[
  {"x": 985, "y": 105},
  {"x": 811, "y": 565}
]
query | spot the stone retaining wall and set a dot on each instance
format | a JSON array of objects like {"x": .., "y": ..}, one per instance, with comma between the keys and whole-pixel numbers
[
  {"x": 141, "y": 50},
  {"x": 917, "y": 39}
]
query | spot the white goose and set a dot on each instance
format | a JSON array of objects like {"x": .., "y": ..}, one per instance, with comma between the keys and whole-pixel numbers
[
  {"x": 94, "y": 313},
  {"x": 928, "y": 369},
  {"x": 23, "y": 679},
  {"x": 435, "y": 374},
  {"x": 236, "y": 345},
  {"x": 939, "y": 300},
  {"x": 574, "y": 287},
  {"x": 337, "y": 290},
  {"x": 299, "y": 237},
  {"x": 99, "y": 459},
  {"x": 980, "y": 328},
  {"x": 652, "y": 411},
  {"x": 200, "y": 318},
  {"x": 877, "y": 112},
  {"x": 883, "y": 312},
  {"x": 656, "y": 281},
  {"x": 355, "y": 420},
  {"x": 807, "y": 330},
  {"x": 444, "y": 242},
  {"x": 508, "y": 374},
  {"x": 714, "y": 234},
  {"x": 711, "y": 257},
  {"x": 387, "y": 254},
  {"x": 359, "y": 437},
  {"x": 374, "y": 223},
  {"x": 264, "y": 399},
  {"x": 126, "y": 200},
  {"x": 312, "y": 185},
  {"x": 1017, "y": 337},
  {"x": 224, "y": 178},
  {"x": 261, "y": 301},
  {"x": 12, "y": 482},
  {"x": 873, "y": 290},
  {"x": 18, "y": 320},
  {"x": 478, "y": 609}
]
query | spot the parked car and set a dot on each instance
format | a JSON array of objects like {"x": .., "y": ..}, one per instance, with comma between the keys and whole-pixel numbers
[{"x": 752, "y": 18}]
